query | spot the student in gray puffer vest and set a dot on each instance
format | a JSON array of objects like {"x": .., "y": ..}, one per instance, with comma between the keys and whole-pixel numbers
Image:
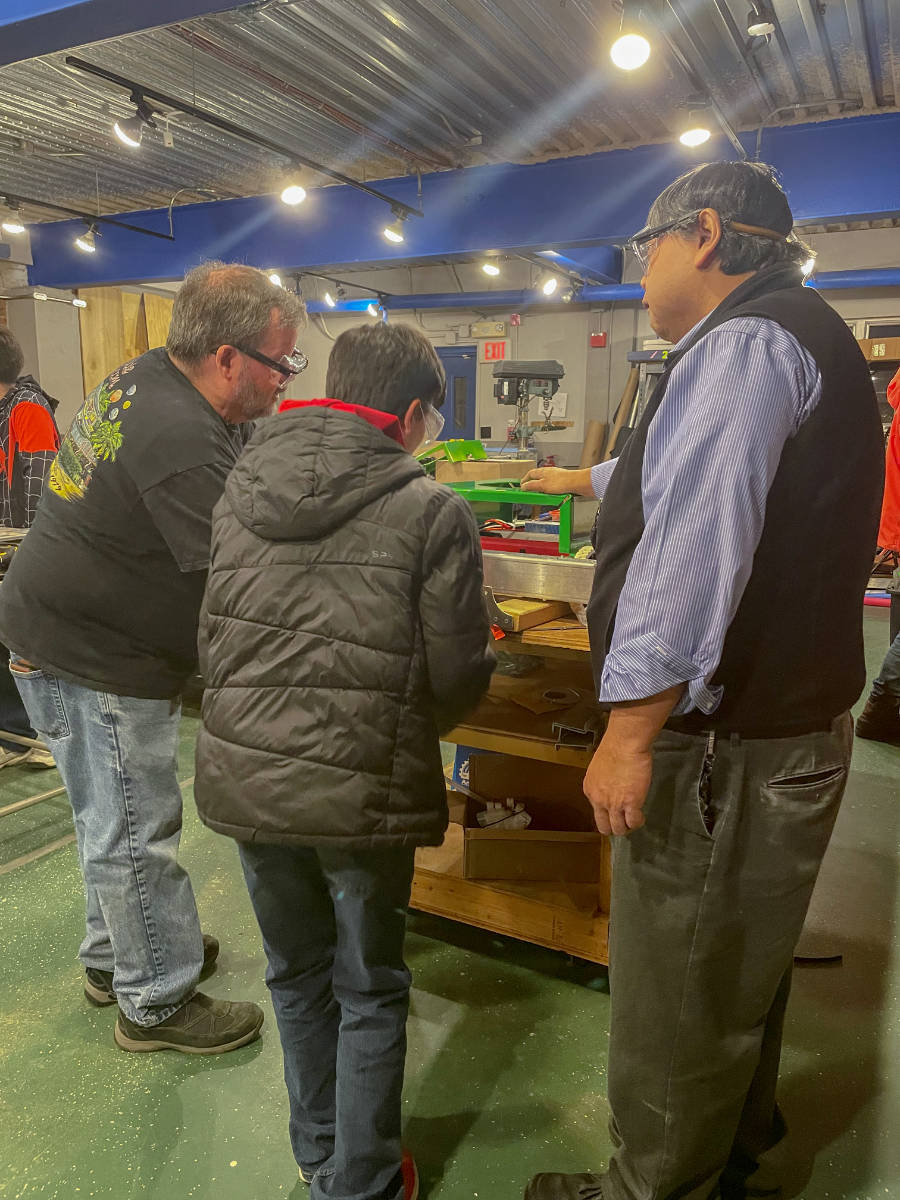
[{"x": 343, "y": 632}]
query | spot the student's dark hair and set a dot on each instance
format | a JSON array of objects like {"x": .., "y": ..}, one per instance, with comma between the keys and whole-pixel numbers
[
  {"x": 11, "y": 357},
  {"x": 385, "y": 367},
  {"x": 746, "y": 192}
]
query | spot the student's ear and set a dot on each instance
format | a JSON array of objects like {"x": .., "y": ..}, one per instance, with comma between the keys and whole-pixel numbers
[{"x": 411, "y": 423}]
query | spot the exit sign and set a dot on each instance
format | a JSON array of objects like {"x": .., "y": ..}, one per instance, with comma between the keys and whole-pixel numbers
[{"x": 494, "y": 351}]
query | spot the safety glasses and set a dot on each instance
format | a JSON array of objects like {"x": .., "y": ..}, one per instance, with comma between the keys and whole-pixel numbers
[
  {"x": 644, "y": 243},
  {"x": 288, "y": 365}
]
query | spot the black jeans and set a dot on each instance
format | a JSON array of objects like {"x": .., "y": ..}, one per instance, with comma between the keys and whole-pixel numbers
[
  {"x": 708, "y": 902},
  {"x": 333, "y": 924}
]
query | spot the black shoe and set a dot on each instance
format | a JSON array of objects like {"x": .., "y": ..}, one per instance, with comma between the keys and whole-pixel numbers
[
  {"x": 98, "y": 985},
  {"x": 879, "y": 721},
  {"x": 201, "y": 1026},
  {"x": 565, "y": 1187}
]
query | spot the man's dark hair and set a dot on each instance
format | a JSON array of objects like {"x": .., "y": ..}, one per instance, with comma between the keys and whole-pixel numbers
[
  {"x": 11, "y": 358},
  {"x": 746, "y": 192},
  {"x": 385, "y": 367}
]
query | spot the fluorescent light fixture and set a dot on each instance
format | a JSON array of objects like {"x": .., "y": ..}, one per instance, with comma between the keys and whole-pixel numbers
[
  {"x": 759, "y": 22},
  {"x": 275, "y": 278},
  {"x": 129, "y": 131},
  {"x": 86, "y": 242},
  {"x": 394, "y": 231},
  {"x": 630, "y": 51},
  {"x": 79, "y": 303},
  {"x": 490, "y": 268},
  {"x": 549, "y": 286},
  {"x": 808, "y": 267},
  {"x": 330, "y": 300},
  {"x": 293, "y": 194}
]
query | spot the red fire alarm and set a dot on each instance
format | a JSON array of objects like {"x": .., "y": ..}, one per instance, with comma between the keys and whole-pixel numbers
[{"x": 598, "y": 341}]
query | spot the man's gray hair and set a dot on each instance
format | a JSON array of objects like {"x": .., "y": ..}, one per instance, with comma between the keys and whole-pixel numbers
[
  {"x": 227, "y": 304},
  {"x": 746, "y": 192}
]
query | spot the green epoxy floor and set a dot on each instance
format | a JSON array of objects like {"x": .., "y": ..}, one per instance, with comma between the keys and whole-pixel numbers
[{"x": 507, "y": 1041}]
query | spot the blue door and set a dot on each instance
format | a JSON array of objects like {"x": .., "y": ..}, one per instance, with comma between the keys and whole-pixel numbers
[{"x": 459, "y": 404}]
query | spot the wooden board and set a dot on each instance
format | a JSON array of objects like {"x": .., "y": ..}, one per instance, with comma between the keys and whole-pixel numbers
[
  {"x": 561, "y": 632},
  {"x": 557, "y": 915},
  {"x": 158, "y": 315},
  {"x": 134, "y": 326},
  {"x": 481, "y": 469},
  {"x": 594, "y": 444},
  {"x": 102, "y": 335},
  {"x": 527, "y": 613}
]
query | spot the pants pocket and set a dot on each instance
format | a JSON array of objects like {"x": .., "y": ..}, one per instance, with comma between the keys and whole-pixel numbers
[{"x": 43, "y": 701}]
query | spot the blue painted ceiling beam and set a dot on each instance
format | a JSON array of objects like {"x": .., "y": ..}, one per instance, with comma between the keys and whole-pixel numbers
[
  {"x": 836, "y": 171},
  {"x": 590, "y": 262},
  {"x": 29, "y": 28}
]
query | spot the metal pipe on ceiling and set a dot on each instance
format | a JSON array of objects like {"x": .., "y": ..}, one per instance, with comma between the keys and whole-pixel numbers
[{"x": 191, "y": 110}]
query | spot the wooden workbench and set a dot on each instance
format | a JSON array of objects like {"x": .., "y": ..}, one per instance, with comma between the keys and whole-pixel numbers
[{"x": 573, "y": 917}]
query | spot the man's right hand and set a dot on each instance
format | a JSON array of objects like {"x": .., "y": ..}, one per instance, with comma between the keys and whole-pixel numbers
[{"x": 558, "y": 481}]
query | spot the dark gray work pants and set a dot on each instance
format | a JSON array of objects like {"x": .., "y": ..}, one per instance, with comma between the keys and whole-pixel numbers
[{"x": 708, "y": 902}]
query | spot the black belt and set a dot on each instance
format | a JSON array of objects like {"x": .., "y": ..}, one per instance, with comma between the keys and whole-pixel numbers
[{"x": 698, "y": 728}]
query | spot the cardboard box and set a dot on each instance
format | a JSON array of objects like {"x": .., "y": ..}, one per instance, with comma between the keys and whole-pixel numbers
[
  {"x": 560, "y": 844},
  {"x": 479, "y": 470}
]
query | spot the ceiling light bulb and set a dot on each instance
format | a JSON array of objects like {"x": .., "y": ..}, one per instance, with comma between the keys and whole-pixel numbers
[
  {"x": 808, "y": 267},
  {"x": 394, "y": 232},
  {"x": 695, "y": 136},
  {"x": 330, "y": 300},
  {"x": 275, "y": 278},
  {"x": 86, "y": 242},
  {"x": 550, "y": 285},
  {"x": 79, "y": 303},
  {"x": 13, "y": 223},
  {"x": 567, "y": 295},
  {"x": 630, "y": 51},
  {"x": 39, "y": 295},
  {"x": 490, "y": 268},
  {"x": 129, "y": 131},
  {"x": 372, "y": 309},
  {"x": 758, "y": 22},
  {"x": 293, "y": 194}
]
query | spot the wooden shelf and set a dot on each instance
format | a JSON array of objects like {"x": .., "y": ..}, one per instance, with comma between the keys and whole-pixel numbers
[{"x": 560, "y": 916}]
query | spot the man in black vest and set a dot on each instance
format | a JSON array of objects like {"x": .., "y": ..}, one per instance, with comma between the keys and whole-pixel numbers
[{"x": 728, "y": 682}]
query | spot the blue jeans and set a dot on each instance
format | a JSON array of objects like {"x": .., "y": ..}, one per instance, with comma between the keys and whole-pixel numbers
[
  {"x": 117, "y": 758},
  {"x": 888, "y": 681},
  {"x": 13, "y": 717},
  {"x": 333, "y": 924}
]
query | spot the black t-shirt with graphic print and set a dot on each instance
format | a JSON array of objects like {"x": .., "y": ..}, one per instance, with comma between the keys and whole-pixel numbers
[{"x": 105, "y": 590}]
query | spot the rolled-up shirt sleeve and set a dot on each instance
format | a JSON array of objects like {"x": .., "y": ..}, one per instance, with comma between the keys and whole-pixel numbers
[
  {"x": 600, "y": 477},
  {"x": 712, "y": 452}
]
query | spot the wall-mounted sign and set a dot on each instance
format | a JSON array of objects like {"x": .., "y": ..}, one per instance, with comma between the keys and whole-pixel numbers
[{"x": 493, "y": 351}]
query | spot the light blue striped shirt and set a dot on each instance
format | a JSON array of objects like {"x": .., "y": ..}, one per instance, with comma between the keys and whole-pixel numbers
[{"x": 712, "y": 451}]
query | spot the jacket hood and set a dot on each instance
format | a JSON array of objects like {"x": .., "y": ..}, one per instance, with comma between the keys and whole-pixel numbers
[{"x": 315, "y": 465}]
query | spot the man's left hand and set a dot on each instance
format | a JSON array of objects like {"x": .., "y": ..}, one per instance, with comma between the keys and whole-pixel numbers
[{"x": 616, "y": 783}]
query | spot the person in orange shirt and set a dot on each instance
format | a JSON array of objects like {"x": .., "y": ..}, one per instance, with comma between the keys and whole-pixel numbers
[{"x": 880, "y": 719}]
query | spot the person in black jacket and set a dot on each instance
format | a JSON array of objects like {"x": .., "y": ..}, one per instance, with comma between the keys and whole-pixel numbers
[{"x": 343, "y": 631}]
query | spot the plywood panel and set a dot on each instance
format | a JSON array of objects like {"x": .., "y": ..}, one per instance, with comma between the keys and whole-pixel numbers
[
  {"x": 102, "y": 335},
  {"x": 158, "y": 314},
  {"x": 134, "y": 325}
]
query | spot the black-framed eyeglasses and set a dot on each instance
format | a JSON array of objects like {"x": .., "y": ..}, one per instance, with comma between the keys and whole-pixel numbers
[
  {"x": 643, "y": 244},
  {"x": 288, "y": 365}
]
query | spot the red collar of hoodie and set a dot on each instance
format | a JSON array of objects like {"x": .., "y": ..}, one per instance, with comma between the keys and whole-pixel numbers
[{"x": 386, "y": 422}]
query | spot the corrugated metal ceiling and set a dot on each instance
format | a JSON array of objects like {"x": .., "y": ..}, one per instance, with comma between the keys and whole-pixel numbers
[{"x": 376, "y": 88}]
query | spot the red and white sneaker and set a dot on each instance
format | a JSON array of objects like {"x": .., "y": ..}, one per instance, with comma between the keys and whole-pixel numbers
[{"x": 410, "y": 1177}]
